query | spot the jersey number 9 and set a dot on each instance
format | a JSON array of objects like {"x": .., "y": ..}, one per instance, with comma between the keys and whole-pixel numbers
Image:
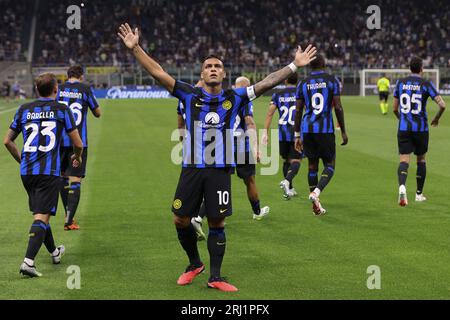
[{"x": 317, "y": 102}]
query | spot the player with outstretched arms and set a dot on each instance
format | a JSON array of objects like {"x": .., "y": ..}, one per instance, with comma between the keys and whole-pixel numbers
[{"x": 207, "y": 175}]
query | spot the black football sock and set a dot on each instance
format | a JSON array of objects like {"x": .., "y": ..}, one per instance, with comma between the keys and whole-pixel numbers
[
  {"x": 188, "y": 240},
  {"x": 313, "y": 180},
  {"x": 325, "y": 178},
  {"x": 73, "y": 198},
  {"x": 216, "y": 248},
  {"x": 49, "y": 241},
  {"x": 37, "y": 236},
  {"x": 286, "y": 166},
  {"x": 402, "y": 173},
  {"x": 292, "y": 172},
  {"x": 64, "y": 191},
  {"x": 202, "y": 211},
  {"x": 255, "y": 206},
  {"x": 421, "y": 175}
]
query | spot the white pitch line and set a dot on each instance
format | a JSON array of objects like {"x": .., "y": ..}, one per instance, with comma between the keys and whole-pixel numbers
[{"x": 8, "y": 110}]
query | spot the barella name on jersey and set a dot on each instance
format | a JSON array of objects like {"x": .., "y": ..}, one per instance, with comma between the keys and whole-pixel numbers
[
  {"x": 40, "y": 115},
  {"x": 71, "y": 95},
  {"x": 315, "y": 86}
]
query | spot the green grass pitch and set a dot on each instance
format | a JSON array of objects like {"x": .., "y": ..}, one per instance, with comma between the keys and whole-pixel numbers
[{"x": 127, "y": 247}]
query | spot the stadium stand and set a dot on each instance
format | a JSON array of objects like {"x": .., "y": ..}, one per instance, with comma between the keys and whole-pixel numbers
[
  {"x": 13, "y": 35},
  {"x": 249, "y": 32}
]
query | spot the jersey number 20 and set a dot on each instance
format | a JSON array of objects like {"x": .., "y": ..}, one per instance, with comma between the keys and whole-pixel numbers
[{"x": 287, "y": 116}]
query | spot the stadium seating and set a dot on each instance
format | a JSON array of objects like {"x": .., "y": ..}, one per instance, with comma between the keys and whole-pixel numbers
[{"x": 251, "y": 32}]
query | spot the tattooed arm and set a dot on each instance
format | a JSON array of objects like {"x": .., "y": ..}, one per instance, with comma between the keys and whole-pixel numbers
[
  {"x": 11, "y": 135},
  {"x": 302, "y": 58}
]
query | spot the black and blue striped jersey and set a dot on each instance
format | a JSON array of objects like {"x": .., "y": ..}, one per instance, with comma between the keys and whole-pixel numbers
[
  {"x": 79, "y": 98},
  {"x": 413, "y": 93},
  {"x": 284, "y": 100},
  {"x": 42, "y": 124},
  {"x": 317, "y": 92},
  {"x": 210, "y": 121},
  {"x": 240, "y": 129}
]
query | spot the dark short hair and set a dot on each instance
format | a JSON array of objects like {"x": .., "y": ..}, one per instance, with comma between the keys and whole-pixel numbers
[
  {"x": 415, "y": 64},
  {"x": 75, "y": 71},
  {"x": 213, "y": 56},
  {"x": 45, "y": 84},
  {"x": 318, "y": 63},
  {"x": 293, "y": 78}
]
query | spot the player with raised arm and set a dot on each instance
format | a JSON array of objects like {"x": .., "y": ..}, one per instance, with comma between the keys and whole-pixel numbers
[
  {"x": 284, "y": 102},
  {"x": 210, "y": 111},
  {"x": 42, "y": 122},
  {"x": 80, "y": 99},
  {"x": 410, "y": 102},
  {"x": 319, "y": 93},
  {"x": 246, "y": 155}
]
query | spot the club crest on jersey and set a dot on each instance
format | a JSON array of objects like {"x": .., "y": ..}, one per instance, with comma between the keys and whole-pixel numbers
[
  {"x": 177, "y": 204},
  {"x": 227, "y": 105}
]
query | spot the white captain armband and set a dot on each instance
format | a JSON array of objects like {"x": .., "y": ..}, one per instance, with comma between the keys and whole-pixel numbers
[
  {"x": 251, "y": 93},
  {"x": 297, "y": 134},
  {"x": 293, "y": 67}
]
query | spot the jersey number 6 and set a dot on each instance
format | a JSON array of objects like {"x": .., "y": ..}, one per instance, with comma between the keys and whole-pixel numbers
[{"x": 76, "y": 110}]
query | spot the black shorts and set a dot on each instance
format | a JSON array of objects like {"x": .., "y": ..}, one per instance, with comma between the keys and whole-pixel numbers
[
  {"x": 66, "y": 164},
  {"x": 384, "y": 95},
  {"x": 245, "y": 170},
  {"x": 6, "y": 93},
  {"x": 409, "y": 142},
  {"x": 319, "y": 146},
  {"x": 43, "y": 192},
  {"x": 212, "y": 185},
  {"x": 245, "y": 165},
  {"x": 288, "y": 152}
]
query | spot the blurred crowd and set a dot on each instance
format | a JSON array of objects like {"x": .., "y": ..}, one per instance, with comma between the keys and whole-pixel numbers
[
  {"x": 12, "y": 21},
  {"x": 251, "y": 32}
]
